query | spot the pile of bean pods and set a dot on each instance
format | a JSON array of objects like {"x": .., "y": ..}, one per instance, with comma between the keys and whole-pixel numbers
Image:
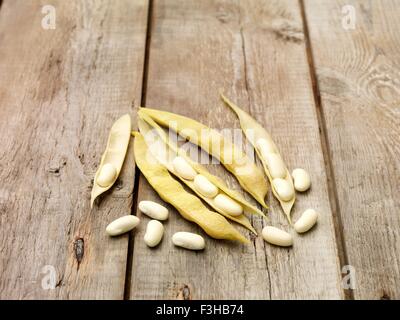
[{"x": 211, "y": 204}]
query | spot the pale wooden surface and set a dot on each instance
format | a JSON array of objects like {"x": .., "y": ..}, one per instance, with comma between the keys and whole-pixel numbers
[
  {"x": 359, "y": 82},
  {"x": 60, "y": 91}
]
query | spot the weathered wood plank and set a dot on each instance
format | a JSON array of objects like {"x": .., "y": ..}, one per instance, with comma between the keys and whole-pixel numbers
[
  {"x": 60, "y": 91},
  {"x": 358, "y": 77},
  {"x": 254, "y": 51}
]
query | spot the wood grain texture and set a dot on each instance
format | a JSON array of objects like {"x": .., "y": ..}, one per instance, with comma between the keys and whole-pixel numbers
[
  {"x": 359, "y": 85},
  {"x": 255, "y": 52},
  {"x": 60, "y": 92}
]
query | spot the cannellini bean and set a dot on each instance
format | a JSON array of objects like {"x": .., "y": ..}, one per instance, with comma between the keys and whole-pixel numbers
[
  {"x": 302, "y": 180},
  {"x": 153, "y": 210},
  {"x": 265, "y": 147},
  {"x": 205, "y": 187},
  {"x": 277, "y": 236},
  {"x": 154, "y": 233},
  {"x": 306, "y": 221},
  {"x": 188, "y": 240},
  {"x": 275, "y": 164},
  {"x": 122, "y": 225},
  {"x": 107, "y": 175},
  {"x": 283, "y": 189},
  {"x": 228, "y": 205},
  {"x": 183, "y": 168}
]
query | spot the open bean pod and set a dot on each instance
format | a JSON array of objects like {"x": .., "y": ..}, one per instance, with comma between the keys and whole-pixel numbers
[
  {"x": 166, "y": 151},
  {"x": 268, "y": 153},
  {"x": 250, "y": 177},
  {"x": 171, "y": 191},
  {"x": 113, "y": 157}
]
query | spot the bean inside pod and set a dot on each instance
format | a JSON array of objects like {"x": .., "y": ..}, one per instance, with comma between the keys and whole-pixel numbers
[{"x": 113, "y": 157}]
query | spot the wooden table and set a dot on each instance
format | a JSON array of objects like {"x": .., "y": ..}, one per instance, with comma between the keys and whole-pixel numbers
[{"x": 327, "y": 89}]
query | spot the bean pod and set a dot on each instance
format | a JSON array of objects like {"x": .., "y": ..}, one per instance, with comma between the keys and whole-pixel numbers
[{"x": 268, "y": 153}]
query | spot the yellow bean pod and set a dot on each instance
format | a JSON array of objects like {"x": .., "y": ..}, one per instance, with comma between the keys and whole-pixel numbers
[
  {"x": 171, "y": 191},
  {"x": 250, "y": 177},
  {"x": 165, "y": 150},
  {"x": 254, "y": 132},
  {"x": 113, "y": 157}
]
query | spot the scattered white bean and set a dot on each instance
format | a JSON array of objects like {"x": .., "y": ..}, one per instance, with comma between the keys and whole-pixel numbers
[
  {"x": 107, "y": 175},
  {"x": 283, "y": 188},
  {"x": 228, "y": 205},
  {"x": 205, "y": 186},
  {"x": 122, "y": 225},
  {"x": 277, "y": 236},
  {"x": 154, "y": 233},
  {"x": 302, "y": 180},
  {"x": 275, "y": 165},
  {"x": 183, "y": 168},
  {"x": 153, "y": 210},
  {"x": 265, "y": 147},
  {"x": 306, "y": 221},
  {"x": 188, "y": 240}
]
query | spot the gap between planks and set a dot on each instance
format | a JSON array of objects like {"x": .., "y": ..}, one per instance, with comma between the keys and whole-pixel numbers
[
  {"x": 129, "y": 259},
  {"x": 331, "y": 182}
]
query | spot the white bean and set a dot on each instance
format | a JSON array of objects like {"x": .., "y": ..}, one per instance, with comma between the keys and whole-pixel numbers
[
  {"x": 283, "y": 188},
  {"x": 205, "y": 187},
  {"x": 183, "y": 168},
  {"x": 277, "y": 236},
  {"x": 275, "y": 165},
  {"x": 306, "y": 221},
  {"x": 228, "y": 205},
  {"x": 265, "y": 147},
  {"x": 188, "y": 240},
  {"x": 153, "y": 210},
  {"x": 107, "y": 175},
  {"x": 302, "y": 180},
  {"x": 154, "y": 233},
  {"x": 122, "y": 225}
]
